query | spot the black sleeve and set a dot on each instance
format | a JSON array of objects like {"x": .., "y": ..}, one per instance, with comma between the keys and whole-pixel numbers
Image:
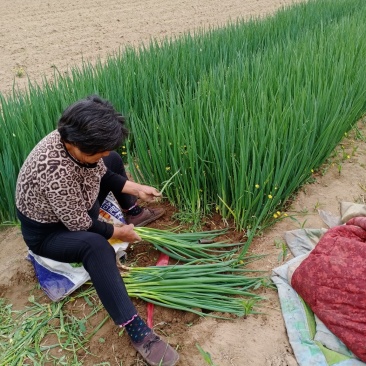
[
  {"x": 103, "y": 228},
  {"x": 113, "y": 181},
  {"x": 100, "y": 227}
]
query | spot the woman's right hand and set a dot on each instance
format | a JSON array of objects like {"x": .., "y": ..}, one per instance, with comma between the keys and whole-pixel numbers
[{"x": 126, "y": 233}]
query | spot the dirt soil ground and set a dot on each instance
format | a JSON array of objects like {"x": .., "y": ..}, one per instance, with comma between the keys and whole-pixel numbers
[{"x": 38, "y": 36}]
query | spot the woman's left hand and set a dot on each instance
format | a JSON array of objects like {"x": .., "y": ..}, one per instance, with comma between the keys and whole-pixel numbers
[
  {"x": 148, "y": 194},
  {"x": 145, "y": 193}
]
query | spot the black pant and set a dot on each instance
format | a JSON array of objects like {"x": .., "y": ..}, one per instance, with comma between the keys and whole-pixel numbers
[{"x": 56, "y": 242}]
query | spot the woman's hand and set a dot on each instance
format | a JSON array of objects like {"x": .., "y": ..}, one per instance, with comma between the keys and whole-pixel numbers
[
  {"x": 148, "y": 194},
  {"x": 125, "y": 233},
  {"x": 145, "y": 193}
]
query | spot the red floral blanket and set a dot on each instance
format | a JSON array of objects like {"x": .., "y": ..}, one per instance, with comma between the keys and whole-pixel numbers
[{"x": 332, "y": 281}]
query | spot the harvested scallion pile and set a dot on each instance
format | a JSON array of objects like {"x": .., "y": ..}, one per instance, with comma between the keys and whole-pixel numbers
[
  {"x": 217, "y": 287},
  {"x": 186, "y": 247}
]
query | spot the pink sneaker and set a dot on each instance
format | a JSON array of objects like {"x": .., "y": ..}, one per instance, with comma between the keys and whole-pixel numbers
[
  {"x": 156, "y": 352},
  {"x": 145, "y": 217}
]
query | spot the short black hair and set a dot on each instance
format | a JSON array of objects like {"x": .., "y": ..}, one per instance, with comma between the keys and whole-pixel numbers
[{"x": 92, "y": 125}]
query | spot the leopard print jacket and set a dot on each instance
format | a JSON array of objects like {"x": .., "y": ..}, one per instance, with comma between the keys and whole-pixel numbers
[{"x": 52, "y": 187}]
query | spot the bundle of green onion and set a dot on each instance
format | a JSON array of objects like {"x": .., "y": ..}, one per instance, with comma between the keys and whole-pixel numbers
[
  {"x": 198, "y": 288},
  {"x": 188, "y": 247}
]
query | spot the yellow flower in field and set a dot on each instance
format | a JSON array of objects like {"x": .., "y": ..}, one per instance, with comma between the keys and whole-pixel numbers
[
  {"x": 270, "y": 196},
  {"x": 275, "y": 216},
  {"x": 123, "y": 147},
  {"x": 276, "y": 188},
  {"x": 346, "y": 134},
  {"x": 217, "y": 208},
  {"x": 167, "y": 168},
  {"x": 348, "y": 157},
  {"x": 278, "y": 213},
  {"x": 124, "y": 153},
  {"x": 312, "y": 170},
  {"x": 137, "y": 166},
  {"x": 285, "y": 215},
  {"x": 257, "y": 186}
]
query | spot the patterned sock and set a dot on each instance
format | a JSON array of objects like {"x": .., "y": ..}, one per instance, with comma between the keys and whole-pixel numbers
[
  {"x": 133, "y": 211},
  {"x": 137, "y": 329}
]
